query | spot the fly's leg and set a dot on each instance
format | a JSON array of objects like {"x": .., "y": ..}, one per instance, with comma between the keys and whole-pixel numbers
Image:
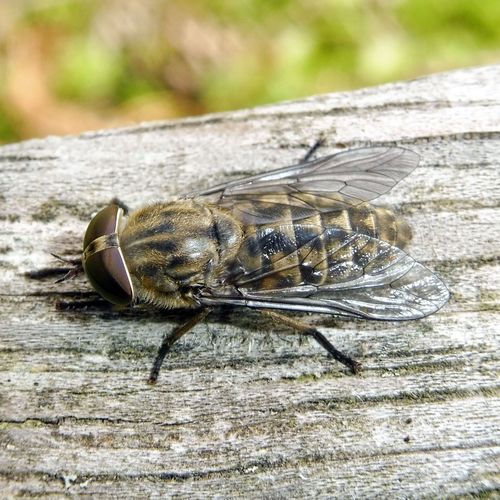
[
  {"x": 313, "y": 149},
  {"x": 352, "y": 364},
  {"x": 170, "y": 340}
]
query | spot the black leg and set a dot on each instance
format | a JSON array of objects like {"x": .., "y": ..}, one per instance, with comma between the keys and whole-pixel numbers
[
  {"x": 313, "y": 149},
  {"x": 352, "y": 364},
  {"x": 170, "y": 340}
]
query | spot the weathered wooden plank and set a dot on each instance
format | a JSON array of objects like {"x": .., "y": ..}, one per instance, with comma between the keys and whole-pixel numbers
[{"x": 242, "y": 411}]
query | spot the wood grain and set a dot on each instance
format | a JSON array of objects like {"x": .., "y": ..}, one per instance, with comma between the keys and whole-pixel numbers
[{"x": 245, "y": 410}]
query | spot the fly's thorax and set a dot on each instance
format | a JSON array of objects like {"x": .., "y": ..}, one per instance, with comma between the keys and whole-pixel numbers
[{"x": 171, "y": 249}]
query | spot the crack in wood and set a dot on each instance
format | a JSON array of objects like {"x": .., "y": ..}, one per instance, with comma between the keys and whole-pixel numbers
[{"x": 262, "y": 465}]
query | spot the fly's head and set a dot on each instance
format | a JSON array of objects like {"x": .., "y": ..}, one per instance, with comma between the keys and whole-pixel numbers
[{"x": 103, "y": 260}]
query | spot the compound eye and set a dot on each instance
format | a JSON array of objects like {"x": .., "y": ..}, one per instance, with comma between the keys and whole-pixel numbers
[
  {"x": 103, "y": 260},
  {"x": 104, "y": 223}
]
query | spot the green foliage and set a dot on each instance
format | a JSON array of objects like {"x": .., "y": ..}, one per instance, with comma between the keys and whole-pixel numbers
[
  {"x": 8, "y": 126},
  {"x": 74, "y": 15},
  {"x": 88, "y": 70},
  {"x": 200, "y": 55},
  {"x": 313, "y": 47}
]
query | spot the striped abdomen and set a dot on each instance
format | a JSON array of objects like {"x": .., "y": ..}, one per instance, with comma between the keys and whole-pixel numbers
[{"x": 307, "y": 245}]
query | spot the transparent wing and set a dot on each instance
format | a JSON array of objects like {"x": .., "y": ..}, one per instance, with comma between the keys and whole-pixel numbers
[
  {"x": 358, "y": 175},
  {"x": 356, "y": 276}
]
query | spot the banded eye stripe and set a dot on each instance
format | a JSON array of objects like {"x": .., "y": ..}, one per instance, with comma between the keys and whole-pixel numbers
[{"x": 100, "y": 244}]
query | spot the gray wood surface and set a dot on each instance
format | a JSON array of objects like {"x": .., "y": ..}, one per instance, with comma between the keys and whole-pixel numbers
[{"x": 243, "y": 409}]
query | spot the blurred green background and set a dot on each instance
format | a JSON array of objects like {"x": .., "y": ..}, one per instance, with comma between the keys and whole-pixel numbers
[{"x": 67, "y": 65}]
